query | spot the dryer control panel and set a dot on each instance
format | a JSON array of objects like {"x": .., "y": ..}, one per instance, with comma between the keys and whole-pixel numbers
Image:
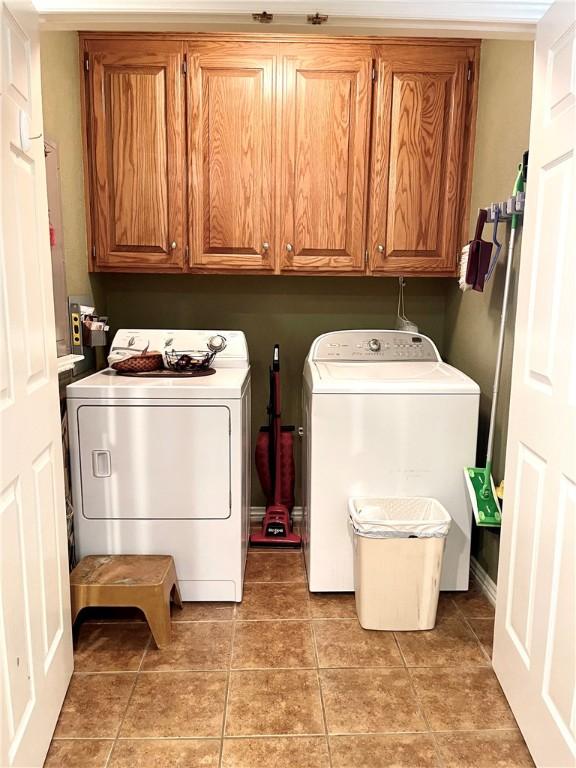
[
  {"x": 366, "y": 346},
  {"x": 234, "y": 354}
]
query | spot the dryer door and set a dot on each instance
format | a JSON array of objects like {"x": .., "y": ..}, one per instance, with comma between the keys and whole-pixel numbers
[{"x": 155, "y": 461}]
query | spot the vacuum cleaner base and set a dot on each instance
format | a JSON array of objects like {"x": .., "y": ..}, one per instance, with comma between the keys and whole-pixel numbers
[{"x": 276, "y": 529}]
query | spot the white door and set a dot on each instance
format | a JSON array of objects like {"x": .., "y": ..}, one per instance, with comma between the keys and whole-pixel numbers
[
  {"x": 535, "y": 637},
  {"x": 35, "y": 636}
]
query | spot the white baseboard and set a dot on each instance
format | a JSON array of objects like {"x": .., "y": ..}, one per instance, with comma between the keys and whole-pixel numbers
[
  {"x": 487, "y": 585},
  {"x": 257, "y": 513}
]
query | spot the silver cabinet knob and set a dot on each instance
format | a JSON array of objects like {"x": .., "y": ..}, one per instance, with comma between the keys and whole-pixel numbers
[
  {"x": 380, "y": 248},
  {"x": 265, "y": 246},
  {"x": 289, "y": 247},
  {"x": 173, "y": 245}
]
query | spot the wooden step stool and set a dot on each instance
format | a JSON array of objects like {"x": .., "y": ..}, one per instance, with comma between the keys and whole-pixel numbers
[{"x": 147, "y": 582}]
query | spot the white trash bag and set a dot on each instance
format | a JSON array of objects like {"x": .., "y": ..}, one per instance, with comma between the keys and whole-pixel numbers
[{"x": 399, "y": 518}]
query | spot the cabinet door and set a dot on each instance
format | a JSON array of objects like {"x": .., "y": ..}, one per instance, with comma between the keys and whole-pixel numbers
[
  {"x": 136, "y": 150},
  {"x": 232, "y": 128},
  {"x": 325, "y": 129},
  {"x": 416, "y": 189}
]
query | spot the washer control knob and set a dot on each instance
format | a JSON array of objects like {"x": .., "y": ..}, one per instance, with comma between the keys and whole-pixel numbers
[{"x": 374, "y": 345}]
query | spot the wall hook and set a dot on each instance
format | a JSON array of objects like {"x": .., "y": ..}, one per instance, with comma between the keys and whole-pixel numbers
[
  {"x": 316, "y": 19},
  {"x": 264, "y": 17}
]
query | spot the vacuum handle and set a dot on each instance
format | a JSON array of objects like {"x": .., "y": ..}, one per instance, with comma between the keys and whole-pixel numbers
[{"x": 276, "y": 358}]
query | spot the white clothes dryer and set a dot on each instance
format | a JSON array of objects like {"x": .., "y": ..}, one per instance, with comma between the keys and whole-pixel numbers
[{"x": 162, "y": 465}]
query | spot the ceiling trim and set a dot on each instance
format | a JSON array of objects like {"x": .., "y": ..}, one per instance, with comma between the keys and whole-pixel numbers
[
  {"x": 455, "y": 10},
  {"x": 234, "y": 24},
  {"x": 484, "y": 18}
]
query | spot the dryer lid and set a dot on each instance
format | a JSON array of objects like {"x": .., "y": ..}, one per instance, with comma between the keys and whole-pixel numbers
[{"x": 225, "y": 384}]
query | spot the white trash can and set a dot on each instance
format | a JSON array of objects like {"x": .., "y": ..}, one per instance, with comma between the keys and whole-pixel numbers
[{"x": 398, "y": 550}]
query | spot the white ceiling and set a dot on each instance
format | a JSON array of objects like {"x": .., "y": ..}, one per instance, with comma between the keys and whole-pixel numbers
[{"x": 480, "y": 18}]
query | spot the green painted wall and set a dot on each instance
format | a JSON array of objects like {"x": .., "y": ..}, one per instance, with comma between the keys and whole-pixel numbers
[
  {"x": 62, "y": 123},
  {"x": 61, "y": 106},
  {"x": 473, "y": 319},
  {"x": 294, "y": 310}
]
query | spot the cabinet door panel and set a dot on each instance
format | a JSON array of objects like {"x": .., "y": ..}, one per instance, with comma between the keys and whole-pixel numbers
[
  {"x": 232, "y": 127},
  {"x": 416, "y": 195},
  {"x": 137, "y": 154},
  {"x": 325, "y": 127}
]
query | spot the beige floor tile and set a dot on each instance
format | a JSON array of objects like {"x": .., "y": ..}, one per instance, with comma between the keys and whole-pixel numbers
[
  {"x": 203, "y": 612},
  {"x": 370, "y": 701},
  {"x": 450, "y": 643},
  {"x": 447, "y": 609},
  {"x": 177, "y": 704},
  {"x": 195, "y": 645},
  {"x": 384, "y": 751},
  {"x": 78, "y": 753},
  {"x": 283, "y": 752},
  {"x": 274, "y": 702},
  {"x": 484, "y": 749},
  {"x": 273, "y": 644},
  {"x": 333, "y": 605},
  {"x": 462, "y": 699},
  {"x": 275, "y": 566},
  {"x": 473, "y": 603},
  {"x": 274, "y": 601},
  {"x": 114, "y": 647},
  {"x": 94, "y": 706},
  {"x": 484, "y": 631},
  {"x": 165, "y": 753},
  {"x": 343, "y": 643}
]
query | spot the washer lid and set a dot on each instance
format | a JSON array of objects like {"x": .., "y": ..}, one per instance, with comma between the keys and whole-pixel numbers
[
  {"x": 390, "y": 377},
  {"x": 226, "y": 383}
]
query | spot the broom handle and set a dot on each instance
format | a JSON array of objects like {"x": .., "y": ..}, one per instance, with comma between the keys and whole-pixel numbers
[
  {"x": 498, "y": 371},
  {"x": 518, "y": 187}
]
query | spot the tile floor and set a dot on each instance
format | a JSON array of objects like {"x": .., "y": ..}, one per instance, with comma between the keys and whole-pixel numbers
[{"x": 287, "y": 680}]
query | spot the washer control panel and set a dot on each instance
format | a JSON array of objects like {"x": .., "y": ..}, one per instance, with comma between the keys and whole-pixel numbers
[{"x": 364, "y": 346}]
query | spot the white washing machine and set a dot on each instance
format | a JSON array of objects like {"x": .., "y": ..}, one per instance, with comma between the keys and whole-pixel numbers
[
  {"x": 383, "y": 416},
  {"x": 162, "y": 466}
]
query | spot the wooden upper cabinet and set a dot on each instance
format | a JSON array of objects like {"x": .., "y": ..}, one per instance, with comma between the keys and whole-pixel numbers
[
  {"x": 136, "y": 151},
  {"x": 419, "y": 161},
  {"x": 326, "y": 91},
  {"x": 231, "y": 134},
  {"x": 275, "y": 155}
]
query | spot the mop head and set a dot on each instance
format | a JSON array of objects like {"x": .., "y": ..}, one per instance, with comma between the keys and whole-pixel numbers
[
  {"x": 486, "y": 508},
  {"x": 464, "y": 253}
]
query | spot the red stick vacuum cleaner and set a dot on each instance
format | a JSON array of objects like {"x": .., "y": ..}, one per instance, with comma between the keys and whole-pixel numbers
[{"x": 275, "y": 467}]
